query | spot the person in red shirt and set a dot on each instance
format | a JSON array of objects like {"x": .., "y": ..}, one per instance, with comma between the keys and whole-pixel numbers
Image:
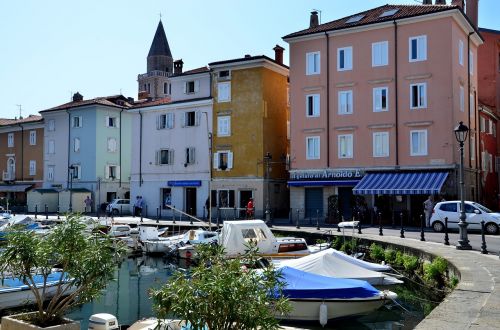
[{"x": 250, "y": 208}]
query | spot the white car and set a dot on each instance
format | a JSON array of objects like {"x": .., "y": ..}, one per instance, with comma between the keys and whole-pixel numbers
[
  {"x": 119, "y": 206},
  {"x": 474, "y": 213}
]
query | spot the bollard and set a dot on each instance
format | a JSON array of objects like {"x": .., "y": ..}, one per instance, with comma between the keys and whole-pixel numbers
[
  {"x": 46, "y": 212},
  {"x": 173, "y": 215},
  {"x": 402, "y": 228},
  {"x": 235, "y": 213},
  {"x": 380, "y": 229},
  {"x": 157, "y": 215},
  {"x": 317, "y": 220},
  {"x": 98, "y": 213},
  {"x": 422, "y": 235},
  {"x": 190, "y": 213},
  {"x": 141, "y": 215},
  {"x": 359, "y": 223},
  {"x": 36, "y": 211},
  {"x": 340, "y": 220},
  {"x": 58, "y": 213},
  {"x": 483, "y": 238},
  {"x": 446, "y": 238},
  {"x": 298, "y": 215}
]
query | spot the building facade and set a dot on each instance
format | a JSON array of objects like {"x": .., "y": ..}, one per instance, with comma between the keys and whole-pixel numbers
[
  {"x": 87, "y": 146},
  {"x": 250, "y": 143},
  {"x": 375, "y": 98},
  {"x": 21, "y": 157}
]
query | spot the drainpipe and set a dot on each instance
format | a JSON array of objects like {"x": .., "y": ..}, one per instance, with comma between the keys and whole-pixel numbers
[
  {"x": 120, "y": 150},
  {"x": 22, "y": 151},
  {"x": 140, "y": 149},
  {"x": 469, "y": 110},
  {"x": 396, "y": 90},
  {"x": 69, "y": 147},
  {"x": 327, "y": 100}
]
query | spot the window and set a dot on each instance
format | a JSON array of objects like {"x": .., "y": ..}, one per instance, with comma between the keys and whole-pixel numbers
[
  {"x": 418, "y": 48},
  {"x": 10, "y": 140},
  {"x": 166, "y": 194},
  {"x": 312, "y": 147},
  {"x": 191, "y": 118},
  {"x": 52, "y": 125},
  {"x": 313, "y": 63},
  {"x": 472, "y": 104},
  {"x": 112, "y": 172},
  {"x": 224, "y": 126},
  {"x": 76, "y": 121},
  {"x": 165, "y": 157},
  {"x": 418, "y": 143},
  {"x": 76, "y": 144},
  {"x": 50, "y": 172},
  {"x": 462, "y": 99},
  {"x": 461, "y": 52},
  {"x": 189, "y": 156},
  {"x": 191, "y": 87},
  {"x": 380, "y": 53},
  {"x": 224, "y": 91},
  {"x": 32, "y": 138},
  {"x": 32, "y": 167},
  {"x": 449, "y": 207},
  {"x": 225, "y": 198},
  {"x": 223, "y": 160},
  {"x": 380, "y": 99},
  {"x": 471, "y": 62},
  {"x": 345, "y": 103},
  {"x": 165, "y": 121},
  {"x": 482, "y": 124},
  {"x": 112, "y": 122},
  {"x": 418, "y": 96},
  {"x": 51, "y": 147},
  {"x": 312, "y": 105},
  {"x": 112, "y": 145},
  {"x": 381, "y": 144},
  {"x": 224, "y": 74},
  {"x": 355, "y": 19},
  {"x": 344, "y": 59},
  {"x": 77, "y": 172},
  {"x": 388, "y": 13},
  {"x": 345, "y": 146},
  {"x": 166, "y": 88}
]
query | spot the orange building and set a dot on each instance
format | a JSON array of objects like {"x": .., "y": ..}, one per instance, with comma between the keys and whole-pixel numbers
[{"x": 21, "y": 157}]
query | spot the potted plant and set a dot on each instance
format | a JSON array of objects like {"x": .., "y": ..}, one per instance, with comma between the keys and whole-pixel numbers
[{"x": 86, "y": 262}]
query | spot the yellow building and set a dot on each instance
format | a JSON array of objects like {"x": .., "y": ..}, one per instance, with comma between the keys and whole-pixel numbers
[{"x": 250, "y": 140}]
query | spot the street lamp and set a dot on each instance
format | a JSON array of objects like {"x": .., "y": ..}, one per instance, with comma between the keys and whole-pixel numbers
[
  {"x": 461, "y": 132},
  {"x": 267, "y": 160},
  {"x": 71, "y": 175}
]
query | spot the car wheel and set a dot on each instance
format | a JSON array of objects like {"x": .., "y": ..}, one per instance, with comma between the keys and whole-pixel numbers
[
  {"x": 438, "y": 226},
  {"x": 115, "y": 212},
  {"x": 491, "y": 228}
]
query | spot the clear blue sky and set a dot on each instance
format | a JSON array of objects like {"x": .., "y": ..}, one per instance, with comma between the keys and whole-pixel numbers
[{"x": 51, "y": 49}]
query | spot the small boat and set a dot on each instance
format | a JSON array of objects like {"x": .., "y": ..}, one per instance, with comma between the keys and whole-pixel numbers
[
  {"x": 21, "y": 222},
  {"x": 205, "y": 237},
  {"x": 153, "y": 243},
  {"x": 333, "y": 263},
  {"x": 14, "y": 292},
  {"x": 317, "y": 297}
]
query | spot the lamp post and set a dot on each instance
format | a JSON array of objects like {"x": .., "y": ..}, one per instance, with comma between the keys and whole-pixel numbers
[
  {"x": 461, "y": 132},
  {"x": 71, "y": 169},
  {"x": 267, "y": 160}
]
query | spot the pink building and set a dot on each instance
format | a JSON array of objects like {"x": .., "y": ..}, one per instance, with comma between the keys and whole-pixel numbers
[{"x": 374, "y": 100}]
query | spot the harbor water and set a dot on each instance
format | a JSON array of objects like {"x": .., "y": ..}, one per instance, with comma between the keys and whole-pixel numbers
[{"x": 127, "y": 298}]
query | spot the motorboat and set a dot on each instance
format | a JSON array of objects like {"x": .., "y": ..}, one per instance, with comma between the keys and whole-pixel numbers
[
  {"x": 317, "y": 297},
  {"x": 188, "y": 250},
  {"x": 333, "y": 263},
  {"x": 20, "y": 222},
  {"x": 154, "y": 244},
  {"x": 14, "y": 292}
]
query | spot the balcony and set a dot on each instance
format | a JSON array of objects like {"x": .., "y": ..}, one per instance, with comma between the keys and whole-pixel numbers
[
  {"x": 8, "y": 176},
  {"x": 155, "y": 73}
]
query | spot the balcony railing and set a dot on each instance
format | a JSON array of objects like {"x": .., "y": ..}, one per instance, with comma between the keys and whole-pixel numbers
[
  {"x": 8, "y": 176},
  {"x": 155, "y": 73}
]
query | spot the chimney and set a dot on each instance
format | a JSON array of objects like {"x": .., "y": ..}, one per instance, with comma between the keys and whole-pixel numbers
[
  {"x": 427, "y": 2},
  {"x": 440, "y": 2},
  {"x": 77, "y": 97},
  {"x": 314, "y": 21},
  {"x": 248, "y": 55},
  {"x": 278, "y": 54},
  {"x": 178, "y": 66},
  {"x": 142, "y": 95},
  {"x": 471, "y": 11},
  {"x": 459, "y": 3},
  {"x": 130, "y": 100}
]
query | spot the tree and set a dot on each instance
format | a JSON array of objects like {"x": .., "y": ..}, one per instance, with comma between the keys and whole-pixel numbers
[
  {"x": 86, "y": 260},
  {"x": 220, "y": 293}
]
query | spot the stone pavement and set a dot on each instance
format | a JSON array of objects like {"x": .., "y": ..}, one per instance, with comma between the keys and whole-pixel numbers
[{"x": 475, "y": 302}]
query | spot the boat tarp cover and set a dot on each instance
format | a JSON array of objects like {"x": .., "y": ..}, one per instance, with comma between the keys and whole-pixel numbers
[
  {"x": 300, "y": 284},
  {"x": 331, "y": 263},
  {"x": 236, "y": 234},
  {"x": 10, "y": 283}
]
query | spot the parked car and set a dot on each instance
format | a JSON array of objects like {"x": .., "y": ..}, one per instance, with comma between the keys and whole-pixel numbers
[
  {"x": 119, "y": 206},
  {"x": 474, "y": 213}
]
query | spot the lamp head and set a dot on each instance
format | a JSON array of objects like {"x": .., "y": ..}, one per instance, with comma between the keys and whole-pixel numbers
[{"x": 461, "y": 132}]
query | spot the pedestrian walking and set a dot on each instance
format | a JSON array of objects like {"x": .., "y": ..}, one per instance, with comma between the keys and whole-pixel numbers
[
  {"x": 428, "y": 207},
  {"x": 250, "y": 209},
  {"x": 88, "y": 204},
  {"x": 138, "y": 206}
]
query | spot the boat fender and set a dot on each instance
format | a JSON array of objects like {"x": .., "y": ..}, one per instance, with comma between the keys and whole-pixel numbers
[
  {"x": 188, "y": 254},
  {"x": 323, "y": 314}
]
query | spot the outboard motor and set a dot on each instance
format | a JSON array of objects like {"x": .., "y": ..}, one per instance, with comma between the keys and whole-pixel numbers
[{"x": 103, "y": 321}]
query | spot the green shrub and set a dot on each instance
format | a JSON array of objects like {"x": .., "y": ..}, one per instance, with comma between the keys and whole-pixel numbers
[
  {"x": 337, "y": 242},
  {"x": 377, "y": 252},
  {"x": 453, "y": 282},
  {"x": 398, "y": 262},
  {"x": 435, "y": 270},
  {"x": 390, "y": 256},
  {"x": 410, "y": 263}
]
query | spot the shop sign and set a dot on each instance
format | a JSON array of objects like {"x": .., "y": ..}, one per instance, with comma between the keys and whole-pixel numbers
[
  {"x": 326, "y": 174},
  {"x": 184, "y": 183}
]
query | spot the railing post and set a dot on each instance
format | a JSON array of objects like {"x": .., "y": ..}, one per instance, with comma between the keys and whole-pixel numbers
[
  {"x": 340, "y": 220},
  {"x": 191, "y": 214},
  {"x": 58, "y": 213},
  {"x": 157, "y": 215},
  {"x": 298, "y": 215},
  {"x": 446, "y": 238},
  {"x": 483, "y": 238},
  {"x": 402, "y": 228},
  {"x": 317, "y": 220},
  {"x": 380, "y": 229},
  {"x": 422, "y": 234},
  {"x": 36, "y": 211},
  {"x": 173, "y": 215},
  {"x": 46, "y": 212},
  {"x": 235, "y": 213},
  {"x": 359, "y": 223}
]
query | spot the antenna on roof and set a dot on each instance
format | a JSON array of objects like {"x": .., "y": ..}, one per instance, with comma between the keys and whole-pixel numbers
[
  {"x": 20, "y": 110},
  {"x": 160, "y": 15},
  {"x": 319, "y": 11}
]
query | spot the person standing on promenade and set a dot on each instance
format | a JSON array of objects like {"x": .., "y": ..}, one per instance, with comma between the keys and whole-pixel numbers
[{"x": 428, "y": 207}]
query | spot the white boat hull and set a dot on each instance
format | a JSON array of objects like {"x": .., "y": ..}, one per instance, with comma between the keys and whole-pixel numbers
[{"x": 15, "y": 297}]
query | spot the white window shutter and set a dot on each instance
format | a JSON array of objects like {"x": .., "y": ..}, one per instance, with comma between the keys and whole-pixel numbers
[
  {"x": 118, "y": 122},
  {"x": 157, "y": 158},
  {"x": 118, "y": 172},
  {"x": 81, "y": 121},
  {"x": 229, "y": 159},
  {"x": 197, "y": 118},
  {"x": 185, "y": 88},
  {"x": 196, "y": 86},
  {"x": 170, "y": 156},
  {"x": 191, "y": 155},
  {"x": 216, "y": 160},
  {"x": 184, "y": 119},
  {"x": 158, "y": 122},
  {"x": 106, "y": 121},
  {"x": 106, "y": 171}
]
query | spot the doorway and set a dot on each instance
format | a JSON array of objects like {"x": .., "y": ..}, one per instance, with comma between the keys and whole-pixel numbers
[
  {"x": 245, "y": 195},
  {"x": 191, "y": 201},
  {"x": 345, "y": 197},
  {"x": 313, "y": 202},
  {"x": 110, "y": 195}
]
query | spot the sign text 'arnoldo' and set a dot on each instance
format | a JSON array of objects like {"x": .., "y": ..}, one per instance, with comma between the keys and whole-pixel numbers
[{"x": 326, "y": 174}]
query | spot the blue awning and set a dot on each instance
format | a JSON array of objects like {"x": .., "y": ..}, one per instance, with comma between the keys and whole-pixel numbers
[
  {"x": 404, "y": 183},
  {"x": 323, "y": 183}
]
